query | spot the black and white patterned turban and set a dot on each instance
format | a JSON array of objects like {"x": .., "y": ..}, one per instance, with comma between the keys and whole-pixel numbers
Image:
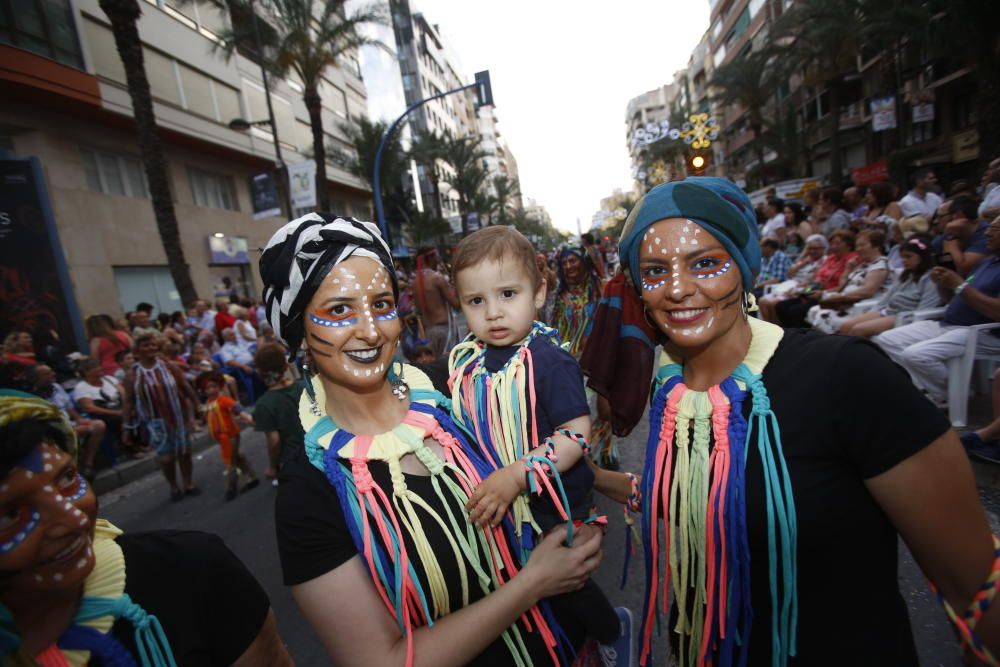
[{"x": 301, "y": 254}]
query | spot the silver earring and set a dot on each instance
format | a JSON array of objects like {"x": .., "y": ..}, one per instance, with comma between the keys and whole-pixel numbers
[
  {"x": 399, "y": 386},
  {"x": 313, "y": 405}
]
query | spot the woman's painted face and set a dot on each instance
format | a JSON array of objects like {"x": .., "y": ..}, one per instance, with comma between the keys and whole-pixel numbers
[
  {"x": 351, "y": 324},
  {"x": 47, "y": 514},
  {"x": 572, "y": 267},
  {"x": 691, "y": 286}
]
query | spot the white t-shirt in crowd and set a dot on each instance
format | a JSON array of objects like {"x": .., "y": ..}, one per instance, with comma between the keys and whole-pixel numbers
[
  {"x": 914, "y": 204},
  {"x": 772, "y": 226},
  {"x": 991, "y": 200},
  {"x": 108, "y": 391}
]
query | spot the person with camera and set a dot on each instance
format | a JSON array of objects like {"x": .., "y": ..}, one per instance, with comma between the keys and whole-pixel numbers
[
  {"x": 924, "y": 347},
  {"x": 963, "y": 242}
]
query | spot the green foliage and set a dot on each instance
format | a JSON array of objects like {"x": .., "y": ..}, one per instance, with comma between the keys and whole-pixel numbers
[{"x": 365, "y": 136}]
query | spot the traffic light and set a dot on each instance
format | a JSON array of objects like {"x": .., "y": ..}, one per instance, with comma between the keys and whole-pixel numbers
[
  {"x": 697, "y": 163},
  {"x": 484, "y": 90}
]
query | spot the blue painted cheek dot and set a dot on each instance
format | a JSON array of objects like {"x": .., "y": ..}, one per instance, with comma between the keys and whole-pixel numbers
[
  {"x": 650, "y": 287},
  {"x": 722, "y": 269},
  {"x": 391, "y": 315},
  {"x": 22, "y": 534},
  {"x": 323, "y": 322},
  {"x": 80, "y": 492}
]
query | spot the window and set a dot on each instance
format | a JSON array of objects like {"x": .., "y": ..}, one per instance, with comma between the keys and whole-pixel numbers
[
  {"x": 755, "y": 6},
  {"x": 212, "y": 190},
  {"x": 113, "y": 174},
  {"x": 44, "y": 27}
]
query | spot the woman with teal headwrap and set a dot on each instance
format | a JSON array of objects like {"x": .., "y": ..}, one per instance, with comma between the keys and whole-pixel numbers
[{"x": 780, "y": 493}]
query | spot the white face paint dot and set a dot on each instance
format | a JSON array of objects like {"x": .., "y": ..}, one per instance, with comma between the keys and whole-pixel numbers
[
  {"x": 38, "y": 577},
  {"x": 357, "y": 285},
  {"x": 68, "y": 506},
  {"x": 650, "y": 248},
  {"x": 80, "y": 564},
  {"x": 57, "y": 576},
  {"x": 657, "y": 239},
  {"x": 48, "y": 488},
  {"x": 48, "y": 467},
  {"x": 29, "y": 474}
]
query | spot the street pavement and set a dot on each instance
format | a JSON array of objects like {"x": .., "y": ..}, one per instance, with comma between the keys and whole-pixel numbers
[{"x": 247, "y": 526}]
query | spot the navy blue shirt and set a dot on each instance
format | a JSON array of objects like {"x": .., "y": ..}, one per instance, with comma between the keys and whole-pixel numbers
[
  {"x": 986, "y": 279},
  {"x": 559, "y": 397}
]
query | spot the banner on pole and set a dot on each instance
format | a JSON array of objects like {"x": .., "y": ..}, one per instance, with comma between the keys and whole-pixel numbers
[
  {"x": 302, "y": 183},
  {"x": 264, "y": 194}
]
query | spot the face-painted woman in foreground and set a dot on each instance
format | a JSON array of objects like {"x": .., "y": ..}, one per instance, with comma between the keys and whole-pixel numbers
[
  {"x": 779, "y": 494},
  {"x": 376, "y": 513}
]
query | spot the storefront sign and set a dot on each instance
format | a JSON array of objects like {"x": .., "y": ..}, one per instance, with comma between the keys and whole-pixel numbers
[
  {"x": 876, "y": 172},
  {"x": 883, "y": 113},
  {"x": 264, "y": 193},
  {"x": 228, "y": 250},
  {"x": 35, "y": 290},
  {"x": 965, "y": 146},
  {"x": 302, "y": 183},
  {"x": 923, "y": 113}
]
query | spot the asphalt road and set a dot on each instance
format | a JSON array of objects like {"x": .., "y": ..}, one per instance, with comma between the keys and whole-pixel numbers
[{"x": 246, "y": 525}]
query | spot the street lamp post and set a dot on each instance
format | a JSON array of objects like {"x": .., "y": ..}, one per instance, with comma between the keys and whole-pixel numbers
[{"x": 484, "y": 96}]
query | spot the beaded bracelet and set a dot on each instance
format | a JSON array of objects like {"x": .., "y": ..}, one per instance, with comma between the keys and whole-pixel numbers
[
  {"x": 634, "y": 501},
  {"x": 967, "y": 622},
  {"x": 575, "y": 437}
]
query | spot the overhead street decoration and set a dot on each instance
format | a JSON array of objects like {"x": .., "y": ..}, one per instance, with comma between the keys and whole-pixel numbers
[{"x": 699, "y": 132}]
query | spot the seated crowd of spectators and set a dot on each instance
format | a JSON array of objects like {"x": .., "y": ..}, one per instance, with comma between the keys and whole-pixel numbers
[
  {"x": 89, "y": 390},
  {"x": 852, "y": 261}
]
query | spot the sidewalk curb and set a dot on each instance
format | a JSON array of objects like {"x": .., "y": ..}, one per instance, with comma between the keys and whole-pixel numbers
[{"x": 129, "y": 471}]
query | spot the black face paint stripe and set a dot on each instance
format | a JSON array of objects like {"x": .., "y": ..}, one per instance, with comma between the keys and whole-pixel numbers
[
  {"x": 726, "y": 299},
  {"x": 320, "y": 340}
]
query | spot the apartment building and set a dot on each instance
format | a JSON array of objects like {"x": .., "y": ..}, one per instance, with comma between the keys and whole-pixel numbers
[
  {"x": 66, "y": 104},
  {"x": 429, "y": 67}
]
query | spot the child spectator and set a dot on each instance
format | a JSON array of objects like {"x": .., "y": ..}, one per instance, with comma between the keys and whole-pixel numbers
[
  {"x": 422, "y": 354},
  {"x": 219, "y": 410},
  {"x": 510, "y": 360},
  {"x": 276, "y": 413}
]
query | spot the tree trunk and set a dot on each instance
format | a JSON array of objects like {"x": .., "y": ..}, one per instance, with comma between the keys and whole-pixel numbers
[
  {"x": 312, "y": 101},
  {"x": 835, "y": 169},
  {"x": 124, "y": 16},
  {"x": 759, "y": 146}
]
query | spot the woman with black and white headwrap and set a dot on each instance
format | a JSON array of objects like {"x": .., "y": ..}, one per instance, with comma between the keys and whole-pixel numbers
[{"x": 375, "y": 512}]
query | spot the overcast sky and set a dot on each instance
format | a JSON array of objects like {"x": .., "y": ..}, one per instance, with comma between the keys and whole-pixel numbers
[{"x": 562, "y": 75}]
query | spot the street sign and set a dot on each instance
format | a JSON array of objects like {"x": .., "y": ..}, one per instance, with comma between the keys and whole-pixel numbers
[{"x": 484, "y": 91}]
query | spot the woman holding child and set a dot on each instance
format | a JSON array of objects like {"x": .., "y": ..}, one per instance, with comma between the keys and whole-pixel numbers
[
  {"x": 780, "y": 515},
  {"x": 374, "y": 512}
]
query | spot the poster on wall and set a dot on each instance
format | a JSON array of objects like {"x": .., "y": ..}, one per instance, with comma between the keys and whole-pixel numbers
[
  {"x": 883, "y": 113},
  {"x": 35, "y": 292},
  {"x": 923, "y": 113}
]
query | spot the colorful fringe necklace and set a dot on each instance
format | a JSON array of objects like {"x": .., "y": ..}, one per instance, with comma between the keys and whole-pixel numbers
[
  {"x": 694, "y": 482},
  {"x": 104, "y": 601},
  {"x": 379, "y": 521},
  {"x": 573, "y": 315},
  {"x": 498, "y": 409}
]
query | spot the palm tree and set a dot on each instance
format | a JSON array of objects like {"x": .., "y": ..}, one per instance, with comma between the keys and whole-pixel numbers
[
  {"x": 507, "y": 192},
  {"x": 427, "y": 149},
  {"x": 365, "y": 136},
  {"x": 749, "y": 83},
  {"x": 306, "y": 43},
  {"x": 464, "y": 155},
  {"x": 124, "y": 16}
]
